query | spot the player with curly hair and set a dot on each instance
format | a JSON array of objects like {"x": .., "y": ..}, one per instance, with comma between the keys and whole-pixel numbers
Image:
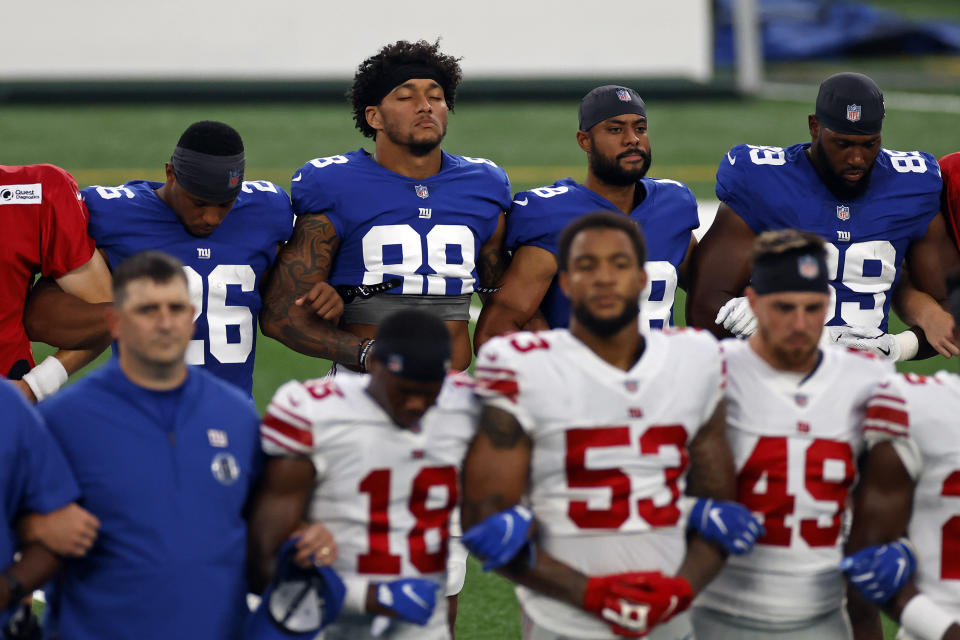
[{"x": 409, "y": 225}]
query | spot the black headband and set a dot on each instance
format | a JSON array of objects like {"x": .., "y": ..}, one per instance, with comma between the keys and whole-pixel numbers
[
  {"x": 214, "y": 178},
  {"x": 393, "y": 78},
  {"x": 414, "y": 345},
  {"x": 799, "y": 270}
]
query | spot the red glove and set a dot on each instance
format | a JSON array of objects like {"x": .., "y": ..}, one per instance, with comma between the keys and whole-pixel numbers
[{"x": 634, "y": 603}]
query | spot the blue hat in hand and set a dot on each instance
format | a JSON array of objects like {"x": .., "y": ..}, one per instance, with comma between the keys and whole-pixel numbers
[{"x": 298, "y": 603}]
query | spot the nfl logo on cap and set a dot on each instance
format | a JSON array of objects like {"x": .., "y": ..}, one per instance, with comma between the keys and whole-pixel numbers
[
  {"x": 422, "y": 191},
  {"x": 234, "y": 178},
  {"x": 807, "y": 267},
  {"x": 624, "y": 95},
  {"x": 843, "y": 212},
  {"x": 853, "y": 112}
]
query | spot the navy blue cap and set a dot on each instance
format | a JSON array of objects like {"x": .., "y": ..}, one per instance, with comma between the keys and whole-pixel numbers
[
  {"x": 608, "y": 101},
  {"x": 850, "y": 103},
  {"x": 414, "y": 345},
  {"x": 298, "y": 603}
]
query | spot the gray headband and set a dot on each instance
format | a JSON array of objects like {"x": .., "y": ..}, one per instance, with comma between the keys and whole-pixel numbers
[{"x": 214, "y": 178}]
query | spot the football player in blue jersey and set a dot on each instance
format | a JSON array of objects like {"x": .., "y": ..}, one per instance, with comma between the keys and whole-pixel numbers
[
  {"x": 226, "y": 232},
  {"x": 407, "y": 226},
  {"x": 877, "y": 208},
  {"x": 613, "y": 133}
]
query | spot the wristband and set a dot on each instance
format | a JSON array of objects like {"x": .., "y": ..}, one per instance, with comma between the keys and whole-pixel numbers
[
  {"x": 15, "y": 587},
  {"x": 364, "y": 352},
  {"x": 45, "y": 378},
  {"x": 922, "y": 617},
  {"x": 909, "y": 344},
  {"x": 355, "y": 598}
]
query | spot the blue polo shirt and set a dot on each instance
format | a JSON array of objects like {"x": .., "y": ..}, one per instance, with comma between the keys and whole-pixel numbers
[
  {"x": 168, "y": 474},
  {"x": 34, "y": 476}
]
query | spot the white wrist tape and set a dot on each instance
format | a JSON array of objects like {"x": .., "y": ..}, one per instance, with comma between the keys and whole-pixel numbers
[
  {"x": 923, "y": 618},
  {"x": 355, "y": 599},
  {"x": 45, "y": 378},
  {"x": 909, "y": 345}
]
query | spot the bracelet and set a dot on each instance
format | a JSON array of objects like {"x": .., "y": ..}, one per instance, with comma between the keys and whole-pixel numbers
[
  {"x": 355, "y": 597},
  {"x": 15, "y": 587},
  {"x": 365, "y": 349},
  {"x": 487, "y": 290},
  {"x": 922, "y": 617},
  {"x": 45, "y": 378}
]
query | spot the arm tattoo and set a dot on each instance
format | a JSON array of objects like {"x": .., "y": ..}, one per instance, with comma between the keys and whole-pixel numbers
[
  {"x": 502, "y": 429},
  {"x": 303, "y": 262},
  {"x": 492, "y": 263}
]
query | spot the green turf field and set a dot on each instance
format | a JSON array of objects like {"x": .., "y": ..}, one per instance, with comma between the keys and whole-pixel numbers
[{"x": 534, "y": 141}]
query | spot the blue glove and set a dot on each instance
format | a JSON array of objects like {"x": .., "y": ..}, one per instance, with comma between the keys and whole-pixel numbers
[
  {"x": 412, "y": 599},
  {"x": 499, "y": 538},
  {"x": 880, "y": 571},
  {"x": 729, "y": 524}
]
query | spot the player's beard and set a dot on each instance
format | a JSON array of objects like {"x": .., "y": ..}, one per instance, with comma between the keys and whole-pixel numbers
[
  {"x": 609, "y": 170},
  {"x": 606, "y": 327},
  {"x": 835, "y": 183},
  {"x": 417, "y": 146}
]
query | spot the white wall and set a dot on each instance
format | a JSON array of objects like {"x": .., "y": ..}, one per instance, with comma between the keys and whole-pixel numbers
[{"x": 303, "y": 39}]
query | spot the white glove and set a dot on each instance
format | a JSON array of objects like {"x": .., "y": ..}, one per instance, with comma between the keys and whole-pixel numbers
[
  {"x": 737, "y": 317},
  {"x": 869, "y": 339}
]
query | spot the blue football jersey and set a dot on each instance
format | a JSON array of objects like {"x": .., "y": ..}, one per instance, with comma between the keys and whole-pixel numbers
[
  {"x": 224, "y": 270},
  {"x": 667, "y": 215},
  {"x": 425, "y": 232},
  {"x": 867, "y": 237}
]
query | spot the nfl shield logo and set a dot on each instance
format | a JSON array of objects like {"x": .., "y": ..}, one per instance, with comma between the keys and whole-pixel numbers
[
  {"x": 801, "y": 401},
  {"x": 807, "y": 267},
  {"x": 422, "y": 191},
  {"x": 631, "y": 385},
  {"x": 853, "y": 112},
  {"x": 234, "y": 178},
  {"x": 624, "y": 95},
  {"x": 843, "y": 212}
]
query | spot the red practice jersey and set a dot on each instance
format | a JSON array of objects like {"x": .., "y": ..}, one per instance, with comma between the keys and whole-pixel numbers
[
  {"x": 950, "y": 169},
  {"x": 44, "y": 231}
]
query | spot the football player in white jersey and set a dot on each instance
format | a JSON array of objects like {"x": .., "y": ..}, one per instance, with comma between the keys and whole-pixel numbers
[
  {"x": 600, "y": 430},
  {"x": 911, "y": 486},
  {"x": 375, "y": 458},
  {"x": 794, "y": 412}
]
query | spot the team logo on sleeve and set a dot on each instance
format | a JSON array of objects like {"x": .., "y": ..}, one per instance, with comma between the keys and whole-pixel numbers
[
  {"x": 422, "y": 191},
  {"x": 225, "y": 468},
  {"x": 843, "y": 212},
  {"x": 853, "y": 112},
  {"x": 624, "y": 95}
]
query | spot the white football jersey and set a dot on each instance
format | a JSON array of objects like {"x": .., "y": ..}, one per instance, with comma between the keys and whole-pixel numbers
[
  {"x": 795, "y": 440},
  {"x": 385, "y": 493},
  {"x": 919, "y": 415},
  {"x": 609, "y": 453}
]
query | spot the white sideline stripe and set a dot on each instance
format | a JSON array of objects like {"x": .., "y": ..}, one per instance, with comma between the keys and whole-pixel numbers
[{"x": 927, "y": 102}]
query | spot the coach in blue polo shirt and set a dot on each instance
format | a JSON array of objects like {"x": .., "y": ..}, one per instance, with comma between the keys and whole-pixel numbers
[
  {"x": 165, "y": 456},
  {"x": 34, "y": 477}
]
